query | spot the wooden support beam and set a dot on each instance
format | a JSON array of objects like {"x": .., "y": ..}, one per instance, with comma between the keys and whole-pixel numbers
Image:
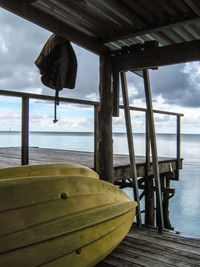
[
  {"x": 49, "y": 22},
  {"x": 160, "y": 56},
  {"x": 166, "y": 191},
  {"x": 116, "y": 94},
  {"x": 96, "y": 138},
  {"x": 159, "y": 209},
  {"x": 133, "y": 168},
  {"x": 149, "y": 192},
  {"x": 178, "y": 144},
  {"x": 25, "y": 131},
  {"x": 105, "y": 148}
]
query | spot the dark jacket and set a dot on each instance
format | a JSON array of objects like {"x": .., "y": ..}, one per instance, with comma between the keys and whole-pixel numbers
[{"x": 57, "y": 64}]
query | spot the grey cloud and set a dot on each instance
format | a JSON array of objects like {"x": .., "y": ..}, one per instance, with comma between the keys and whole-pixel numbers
[
  {"x": 175, "y": 86},
  {"x": 172, "y": 83},
  {"x": 22, "y": 42}
]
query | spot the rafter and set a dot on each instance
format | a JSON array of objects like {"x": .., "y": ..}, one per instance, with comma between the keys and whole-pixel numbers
[
  {"x": 193, "y": 6},
  {"x": 160, "y": 56},
  {"x": 150, "y": 29}
]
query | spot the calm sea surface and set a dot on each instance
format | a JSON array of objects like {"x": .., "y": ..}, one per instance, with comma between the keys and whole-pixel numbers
[{"x": 184, "y": 206}]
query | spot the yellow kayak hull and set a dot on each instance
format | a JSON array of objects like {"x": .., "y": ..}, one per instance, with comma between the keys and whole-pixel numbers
[
  {"x": 61, "y": 220},
  {"x": 50, "y": 169}
]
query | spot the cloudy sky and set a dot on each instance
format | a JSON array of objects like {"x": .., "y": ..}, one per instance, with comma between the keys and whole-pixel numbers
[{"x": 175, "y": 88}]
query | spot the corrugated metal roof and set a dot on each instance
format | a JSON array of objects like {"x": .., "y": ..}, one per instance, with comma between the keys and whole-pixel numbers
[{"x": 116, "y": 23}]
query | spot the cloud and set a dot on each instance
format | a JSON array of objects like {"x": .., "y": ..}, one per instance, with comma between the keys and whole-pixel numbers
[{"x": 20, "y": 41}]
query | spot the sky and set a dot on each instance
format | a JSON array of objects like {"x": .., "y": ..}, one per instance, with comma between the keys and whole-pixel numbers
[{"x": 174, "y": 88}]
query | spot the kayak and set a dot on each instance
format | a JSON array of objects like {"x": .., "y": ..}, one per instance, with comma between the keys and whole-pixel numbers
[
  {"x": 46, "y": 170},
  {"x": 60, "y": 220}
]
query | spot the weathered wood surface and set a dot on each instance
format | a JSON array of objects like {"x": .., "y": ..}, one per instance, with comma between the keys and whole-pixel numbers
[
  {"x": 25, "y": 130},
  {"x": 160, "y": 56},
  {"x": 152, "y": 134},
  {"x": 145, "y": 247},
  {"x": 105, "y": 148},
  {"x": 11, "y": 156},
  {"x": 133, "y": 168}
]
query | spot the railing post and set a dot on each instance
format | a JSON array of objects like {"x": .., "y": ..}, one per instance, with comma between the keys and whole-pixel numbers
[
  {"x": 178, "y": 144},
  {"x": 149, "y": 192},
  {"x": 147, "y": 144},
  {"x": 96, "y": 138},
  {"x": 25, "y": 131}
]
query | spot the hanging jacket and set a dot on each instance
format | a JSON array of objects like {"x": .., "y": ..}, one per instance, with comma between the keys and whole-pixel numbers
[{"x": 57, "y": 64}]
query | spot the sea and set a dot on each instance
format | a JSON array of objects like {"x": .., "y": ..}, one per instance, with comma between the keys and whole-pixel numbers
[{"x": 184, "y": 206}]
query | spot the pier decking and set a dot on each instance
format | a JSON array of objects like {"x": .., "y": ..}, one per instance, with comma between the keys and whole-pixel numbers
[
  {"x": 11, "y": 156},
  {"x": 145, "y": 247}
]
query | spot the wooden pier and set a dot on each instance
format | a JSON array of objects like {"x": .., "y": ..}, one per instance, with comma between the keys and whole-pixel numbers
[
  {"x": 11, "y": 156},
  {"x": 145, "y": 247}
]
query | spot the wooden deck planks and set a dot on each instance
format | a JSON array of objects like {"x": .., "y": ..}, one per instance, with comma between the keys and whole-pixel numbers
[
  {"x": 145, "y": 247},
  {"x": 11, "y": 156}
]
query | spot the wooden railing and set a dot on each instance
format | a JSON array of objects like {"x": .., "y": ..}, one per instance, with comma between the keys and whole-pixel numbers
[{"x": 25, "y": 123}]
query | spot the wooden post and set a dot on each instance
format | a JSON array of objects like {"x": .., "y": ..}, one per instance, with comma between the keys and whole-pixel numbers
[
  {"x": 159, "y": 209},
  {"x": 147, "y": 144},
  {"x": 149, "y": 192},
  {"x": 133, "y": 169},
  {"x": 178, "y": 148},
  {"x": 105, "y": 149},
  {"x": 166, "y": 203},
  {"x": 96, "y": 137},
  {"x": 116, "y": 94},
  {"x": 25, "y": 131}
]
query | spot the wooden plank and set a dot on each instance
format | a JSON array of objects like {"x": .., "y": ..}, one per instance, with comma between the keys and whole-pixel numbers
[
  {"x": 96, "y": 138},
  {"x": 25, "y": 131},
  {"x": 149, "y": 193},
  {"x": 133, "y": 169},
  {"x": 145, "y": 247},
  {"x": 105, "y": 150},
  {"x": 193, "y": 6},
  {"x": 29, "y": 12},
  {"x": 115, "y": 94},
  {"x": 151, "y": 29},
  {"x": 160, "y": 56},
  {"x": 133, "y": 257},
  {"x": 156, "y": 254},
  {"x": 178, "y": 145},
  {"x": 168, "y": 235},
  {"x": 117, "y": 262},
  {"x": 159, "y": 210},
  {"x": 167, "y": 241},
  {"x": 131, "y": 241},
  {"x": 163, "y": 253},
  {"x": 77, "y": 101},
  {"x": 104, "y": 264}
]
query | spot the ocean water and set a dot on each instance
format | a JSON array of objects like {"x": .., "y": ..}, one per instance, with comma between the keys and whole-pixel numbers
[{"x": 184, "y": 206}]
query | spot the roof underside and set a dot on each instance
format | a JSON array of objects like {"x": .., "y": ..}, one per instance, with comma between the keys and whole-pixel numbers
[
  {"x": 116, "y": 23},
  {"x": 107, "y": 25}
]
